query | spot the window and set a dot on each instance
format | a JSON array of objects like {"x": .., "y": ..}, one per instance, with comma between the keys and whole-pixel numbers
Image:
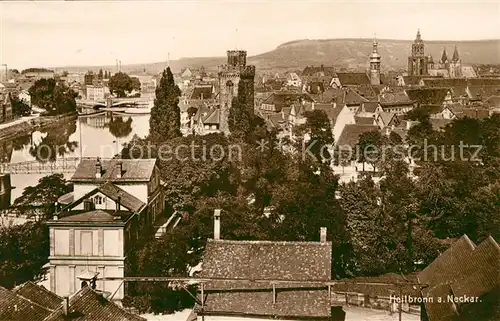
[{"x": 98, "y": 200}]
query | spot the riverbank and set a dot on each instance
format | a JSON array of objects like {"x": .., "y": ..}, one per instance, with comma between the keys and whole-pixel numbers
[{"x": 26, "y": 125}]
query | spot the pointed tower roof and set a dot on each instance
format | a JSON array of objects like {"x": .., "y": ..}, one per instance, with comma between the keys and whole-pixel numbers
[
  {"x": 444, "y": 57},
  {"x": 418, "y": 35},
  {"x": 456, "y": 57},
  {"x": 375, "y": 53}
]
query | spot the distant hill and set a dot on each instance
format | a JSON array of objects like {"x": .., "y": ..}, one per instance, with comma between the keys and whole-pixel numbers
[{"x": 342, "y": 53}]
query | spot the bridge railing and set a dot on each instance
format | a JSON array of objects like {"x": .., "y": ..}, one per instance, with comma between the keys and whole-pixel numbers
[{"x": 65, "y": 164}]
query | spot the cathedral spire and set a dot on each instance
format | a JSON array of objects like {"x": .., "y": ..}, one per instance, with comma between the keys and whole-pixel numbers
[
  {"x": 444, "y": 56},
  {"x": 375, "y": 44},
  {"x": 456, "y": 57}
]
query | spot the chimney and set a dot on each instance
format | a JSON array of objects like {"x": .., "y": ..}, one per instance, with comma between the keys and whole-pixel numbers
[
  {"x": 322, "y": 234},
  {"x": 55, "y": 218},
  {"x": 217, "y": 224},
  {"x": 98, "y": 169},
  {"x": 119, "y": 169},
  {"x": 65, "y": 306},
  {"x": 118, "y": 203},
  {"x": 312, "y": 105}
]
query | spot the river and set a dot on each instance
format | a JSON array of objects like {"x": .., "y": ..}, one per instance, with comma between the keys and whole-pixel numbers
[{"x": 90, "y": 136}]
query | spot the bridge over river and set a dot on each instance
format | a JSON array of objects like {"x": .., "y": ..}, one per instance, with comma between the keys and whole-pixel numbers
[{"x": 60, "y": 165}]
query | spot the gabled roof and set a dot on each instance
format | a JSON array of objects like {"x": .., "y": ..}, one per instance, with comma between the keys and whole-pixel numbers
[
  {"x": 445, "y": 82},
  {"x": 332, "y": 111},
  {"x": 126, "y": 199},
  {"x": 360, "y": 120},
  {"x": 134, "y": 170},
  {"x": 350, "y": 134},
  {"x": 386, "y": 117},
  {"x": 353, "y": 78},
  {"x": 39, "y": 294},
  {"x": 395, "y": 99},
  {"x": 88, "y": 305},
  {"x": 267, "y": 260},
  {"x": 14, "y": 307},
  {"x": 281, "y": 99},
  {"x": 428, "y": 96},
  {"x": 463, "y": 269},
  {"x": 369, "y": 106},
  {"x": 95, "y": 216},
  {"x": 350, "y": 97},
  {"x": 201, "y": 92}
]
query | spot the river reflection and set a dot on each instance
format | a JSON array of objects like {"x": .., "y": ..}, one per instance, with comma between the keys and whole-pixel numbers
[{"x": 100, "y": 135}]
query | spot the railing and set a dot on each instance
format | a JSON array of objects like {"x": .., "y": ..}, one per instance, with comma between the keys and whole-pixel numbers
[{"x": 60, "y": 165}]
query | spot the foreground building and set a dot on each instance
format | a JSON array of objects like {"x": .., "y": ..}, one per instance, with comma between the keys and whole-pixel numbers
[
  {"x": 33, "y": 302},
  {"x": 463, "y": 283},
  {"x": 114, "y": 203},
  {"x": 295, "y": 262}
]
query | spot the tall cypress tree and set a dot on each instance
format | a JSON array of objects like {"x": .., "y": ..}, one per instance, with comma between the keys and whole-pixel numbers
[{"x": 165, "y": 121}]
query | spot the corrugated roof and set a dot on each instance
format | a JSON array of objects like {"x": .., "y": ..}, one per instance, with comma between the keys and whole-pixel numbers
[{"x": 133, "y": 170}]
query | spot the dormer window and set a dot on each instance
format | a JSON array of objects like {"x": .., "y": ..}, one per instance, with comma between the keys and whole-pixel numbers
[{"x": 98, "y": 200}]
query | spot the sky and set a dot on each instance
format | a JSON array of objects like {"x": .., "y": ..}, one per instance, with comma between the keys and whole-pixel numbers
[{"x": 69, "y": 33}]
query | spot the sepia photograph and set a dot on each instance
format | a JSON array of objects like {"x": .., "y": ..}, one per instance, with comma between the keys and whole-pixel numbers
[{"x": 238, "y": 160}]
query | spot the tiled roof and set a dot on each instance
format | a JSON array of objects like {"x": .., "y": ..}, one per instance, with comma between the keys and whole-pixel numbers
[
  {"x": 478, "y": 113},
  {"x": 483, "y": 92},
  {"x": 200, "y": 92},
  {"x": 369, "y": 106},
  {"x": 350, "y": 134},
  {"x": 428, "y": 96},
  {"x": 126, "y": 199},
  {"x": 412, "y": 80},
  {"x": 134, "y": 170},
  {"x": 39, "y": 294},
  {"x": 95, "y": 216},
  {"x": 329, "y": 95},
  {"x": 396, "y": 98},
  {"x": 493, "y": 101},
  {"x": 484, "y": 82},
  {"x": 313, "y": 71},
  {"x": 445, "y": 82},
  {"x": 273, "y": 120},
  {"x": 14, "y": 307},
  {"x": 350, "y": 97},
  {"x": 353, "y": 78},
  {"x": 88, "y": 305},
  {"x": 463, "y": 269},
  {"x": 367, "y": 91},
  {"x": 359, "y": 120},
  {"x": 266, "y": 260},
  {"x": 386, "y": 117},
  {"x": 285, "y": 99},
  {"x": 332, "y": 111}
]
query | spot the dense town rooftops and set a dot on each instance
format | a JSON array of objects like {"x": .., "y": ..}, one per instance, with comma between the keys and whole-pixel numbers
[
  {"x": 133, "y": 170},
  {"x": 353, "y": 78}
]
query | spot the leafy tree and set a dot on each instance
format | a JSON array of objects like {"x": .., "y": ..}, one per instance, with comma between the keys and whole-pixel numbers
[
  {"x": 136, "y": 84},
  {"x": 19, "y": 106},
  {"x": 370, "y": 148},
  {"x": 120, "y": 84},
  {"x": 319, "y": 130},
  {"x": 24, "y": 249},
  {"x": 100, "y": 75},
  {"x": 165, "y": 121},
  {"x": 56, "y": 143},
  {"x": 42, "y": 197},
  {"x": 242, "y": 119},
  {"x": 54, "y": 97}
]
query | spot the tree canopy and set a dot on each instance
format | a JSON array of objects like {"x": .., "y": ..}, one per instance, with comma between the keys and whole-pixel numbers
[
  {"x": 54, "y": 97},
  {"x": 120, "y": 84}
]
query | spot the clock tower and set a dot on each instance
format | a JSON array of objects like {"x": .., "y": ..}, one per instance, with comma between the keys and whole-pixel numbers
[{"x": 417, "y": 62}]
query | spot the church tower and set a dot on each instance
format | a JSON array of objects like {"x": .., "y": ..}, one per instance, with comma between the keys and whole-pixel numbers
[
  {"x": 375, "y": 64},
  {"x": 455, "y": 67},
  {"x": 417, "y": 62}
]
